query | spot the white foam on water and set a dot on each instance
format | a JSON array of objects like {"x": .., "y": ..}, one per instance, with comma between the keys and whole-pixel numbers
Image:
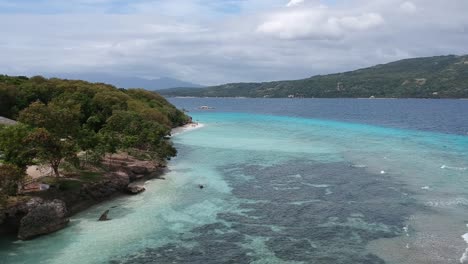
[
  {"x": 465, "y": 237},
  {"x": 286, "y": 188},
  {"x": 464, "y": 258},
  {"x": 406, "y": 229},
  {"x": 186, "y": 128},
  {"x": 320, "y": 185},
  {"x": 425, "y": 188},
  {"x": 453, "y": 168},
  {"x": 447, "y": 203},
  {"x": 316, "y": 185},
  {"x": 295, "y": 176},
  {"x": 359, "y": 166}
]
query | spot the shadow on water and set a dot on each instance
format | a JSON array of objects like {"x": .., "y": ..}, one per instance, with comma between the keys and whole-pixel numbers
[{"x": 302, "y": 211}]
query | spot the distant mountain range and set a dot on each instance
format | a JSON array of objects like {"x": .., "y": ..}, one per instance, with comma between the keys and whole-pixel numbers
[
  {"x": 127, "y": 82},
  {"x": 430, "y": 77}
]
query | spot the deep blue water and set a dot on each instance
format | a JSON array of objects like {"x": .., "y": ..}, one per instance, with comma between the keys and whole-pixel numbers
[{"x": 445, "y": 116}]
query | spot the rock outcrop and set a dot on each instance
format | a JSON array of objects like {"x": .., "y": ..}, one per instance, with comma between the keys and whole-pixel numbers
[
  {"x": 135, "y": 189},
  {"x": 139, "y": 169},
  {"x": 110, "y": 185},
  {"x": 38, "y": 216},
  {"x": 104, "y": 216},
  {"x": 43, "y": 217}
]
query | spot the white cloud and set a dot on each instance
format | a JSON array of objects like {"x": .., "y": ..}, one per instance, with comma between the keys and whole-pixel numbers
[
  {"x": 292, "y": 3},
  {"x": 362, "y": 22},
  {"x": 408, "y": 7},
  {"x": 206, "y": 42},
  {"x": 316, "y": 23}
]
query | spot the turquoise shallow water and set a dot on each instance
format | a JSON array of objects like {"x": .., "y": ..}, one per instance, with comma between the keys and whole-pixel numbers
[{"x": 281, "y": 190}]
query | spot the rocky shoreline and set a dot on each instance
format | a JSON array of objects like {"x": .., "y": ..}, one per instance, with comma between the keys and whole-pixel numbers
[{"x": 45, "y": 212}]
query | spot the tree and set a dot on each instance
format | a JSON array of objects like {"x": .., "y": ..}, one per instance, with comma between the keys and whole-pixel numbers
[
  {"x": 13, "y": 144},
  {"x": 11, "y": 178},
  {"x": 76, "y": 115},
  {"x": 132, "y": 130},
  {"x": 8, "y": 96},
  {"x": 51, "y": 149},
  {"x": 88, "y": 141},
  {"x": 62, "y": 119},
  {"x": 110, "y": 143}
]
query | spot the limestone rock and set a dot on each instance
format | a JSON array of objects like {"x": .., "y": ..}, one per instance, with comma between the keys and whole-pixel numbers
[
  {"x": 113, "y": 183},
  {"x": 44, "y": 217},
  {"x": 138, "y": 169}
]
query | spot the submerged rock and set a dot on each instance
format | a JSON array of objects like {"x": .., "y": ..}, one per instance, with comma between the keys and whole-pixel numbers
[
  {"x": 135, "y": 189},
  {"x": 104, "y": 216},
  {"x": 43, "y": 217}
]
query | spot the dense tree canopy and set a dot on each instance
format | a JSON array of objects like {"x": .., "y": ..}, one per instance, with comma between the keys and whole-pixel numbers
[
  {"x": 13, "y": 145},
  {"x": 60, "y": 118}
]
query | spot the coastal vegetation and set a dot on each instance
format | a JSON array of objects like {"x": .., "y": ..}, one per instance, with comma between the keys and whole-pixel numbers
[
  {"x": 71, "y": 125},
  {"x": 431, "y": 77}
]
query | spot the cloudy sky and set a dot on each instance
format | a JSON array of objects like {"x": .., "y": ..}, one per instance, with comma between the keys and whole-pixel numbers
[{"x": 219, "y": 41}]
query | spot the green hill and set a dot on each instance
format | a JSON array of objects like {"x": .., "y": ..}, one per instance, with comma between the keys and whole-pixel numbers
[{"x": 431, "y": 77}]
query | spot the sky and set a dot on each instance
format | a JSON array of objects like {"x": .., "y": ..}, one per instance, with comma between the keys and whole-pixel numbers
[{"x": 220, "y": 41}]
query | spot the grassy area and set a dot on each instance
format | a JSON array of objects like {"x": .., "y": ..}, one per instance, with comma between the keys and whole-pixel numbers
[
  {"x": 69, "y": 185},
  {"x": 75, "y": 181},
  {"x": 49, "y": 180},
  {"x": 63, "y": 184},
  {"x": 90, "y": 176}
]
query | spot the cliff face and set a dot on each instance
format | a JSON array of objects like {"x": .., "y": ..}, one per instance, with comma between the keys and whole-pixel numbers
[{"x": 49, "y": 211}]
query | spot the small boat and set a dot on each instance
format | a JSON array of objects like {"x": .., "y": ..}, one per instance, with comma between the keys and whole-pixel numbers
[{"x": 205, "y": 107}]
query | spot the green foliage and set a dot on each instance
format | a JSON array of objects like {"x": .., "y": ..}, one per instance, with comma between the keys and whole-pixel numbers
[
  {"x": 156, "y": 108},
  {"x": 433, "y": 77},
  {"x": 62, "y": 117},
  {"x": 13, "y": 145},
  {"x": 51, "y": 149},
  {"x": 132, "y": 130},
  {"x": 69, "y": 185},
  {"x": 90, "y": 176},
  {"x": 11, "y": 178}
]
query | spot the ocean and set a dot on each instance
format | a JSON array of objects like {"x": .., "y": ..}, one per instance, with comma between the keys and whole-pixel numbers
[{"x": 289, "y": 181}]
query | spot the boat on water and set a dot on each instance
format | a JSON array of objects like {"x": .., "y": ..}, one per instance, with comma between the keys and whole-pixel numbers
[{"x": 205, "y": 107}]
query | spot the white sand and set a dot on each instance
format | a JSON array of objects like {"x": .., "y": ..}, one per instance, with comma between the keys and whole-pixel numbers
[
  {"x": 36, "y": 172},
  {"x": 186, "y": 128}
]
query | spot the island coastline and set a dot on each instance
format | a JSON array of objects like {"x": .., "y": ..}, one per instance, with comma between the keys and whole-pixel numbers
[{"x": 114, "y": 185}]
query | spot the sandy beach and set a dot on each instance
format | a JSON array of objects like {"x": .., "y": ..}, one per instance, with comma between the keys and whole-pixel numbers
[{"x": 187, "y": 127}]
